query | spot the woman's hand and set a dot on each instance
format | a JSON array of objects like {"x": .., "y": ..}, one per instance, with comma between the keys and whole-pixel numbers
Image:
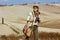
[{"x": 32, "y": 20}]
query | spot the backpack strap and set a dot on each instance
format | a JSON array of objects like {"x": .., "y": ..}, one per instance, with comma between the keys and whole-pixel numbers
[{"x": 33, "y": 14}]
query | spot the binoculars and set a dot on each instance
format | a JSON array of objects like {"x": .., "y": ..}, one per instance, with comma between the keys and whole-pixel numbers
[{"x": 37, "y": 20}]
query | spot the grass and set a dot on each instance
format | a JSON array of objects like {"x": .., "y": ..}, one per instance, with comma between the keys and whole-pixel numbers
[
  {"x": 49, "y": 36},
  {"x": 42, "y": 36}
]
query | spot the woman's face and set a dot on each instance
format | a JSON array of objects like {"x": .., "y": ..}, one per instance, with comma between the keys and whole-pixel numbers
[{"x": 35, "y": 9}]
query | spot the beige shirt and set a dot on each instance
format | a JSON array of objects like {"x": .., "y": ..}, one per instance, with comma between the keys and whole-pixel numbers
[{"x": 30, "y": 16}]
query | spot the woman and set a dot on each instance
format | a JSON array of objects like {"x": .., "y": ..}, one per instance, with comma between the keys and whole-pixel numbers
[{"x": 33, "y": 20}]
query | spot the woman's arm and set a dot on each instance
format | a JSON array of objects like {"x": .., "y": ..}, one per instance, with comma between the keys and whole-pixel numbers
[{"x": 30, "y": 18}]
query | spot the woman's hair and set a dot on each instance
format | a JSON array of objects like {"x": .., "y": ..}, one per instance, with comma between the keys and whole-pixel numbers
[{"x": 35, "y": 6}]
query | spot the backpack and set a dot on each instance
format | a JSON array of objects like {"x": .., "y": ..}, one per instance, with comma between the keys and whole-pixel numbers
[{"x": 27, "y": 31}]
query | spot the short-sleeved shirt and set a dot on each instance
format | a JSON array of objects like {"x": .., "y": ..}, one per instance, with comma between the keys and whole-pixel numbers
[{"x": 30, "y": 16}]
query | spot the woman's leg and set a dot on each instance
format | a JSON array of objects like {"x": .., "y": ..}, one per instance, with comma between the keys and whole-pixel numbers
[{"x": 35, "y": 32}]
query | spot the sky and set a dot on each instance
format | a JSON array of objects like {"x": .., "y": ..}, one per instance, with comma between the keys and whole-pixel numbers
[{"x": 8, "y": 2}]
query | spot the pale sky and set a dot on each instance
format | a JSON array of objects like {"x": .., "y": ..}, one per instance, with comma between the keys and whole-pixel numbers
[{"x": 27, "y": 1}]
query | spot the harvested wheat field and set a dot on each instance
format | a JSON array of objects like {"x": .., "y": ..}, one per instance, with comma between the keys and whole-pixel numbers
[{"x": 15, "y": 19}]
